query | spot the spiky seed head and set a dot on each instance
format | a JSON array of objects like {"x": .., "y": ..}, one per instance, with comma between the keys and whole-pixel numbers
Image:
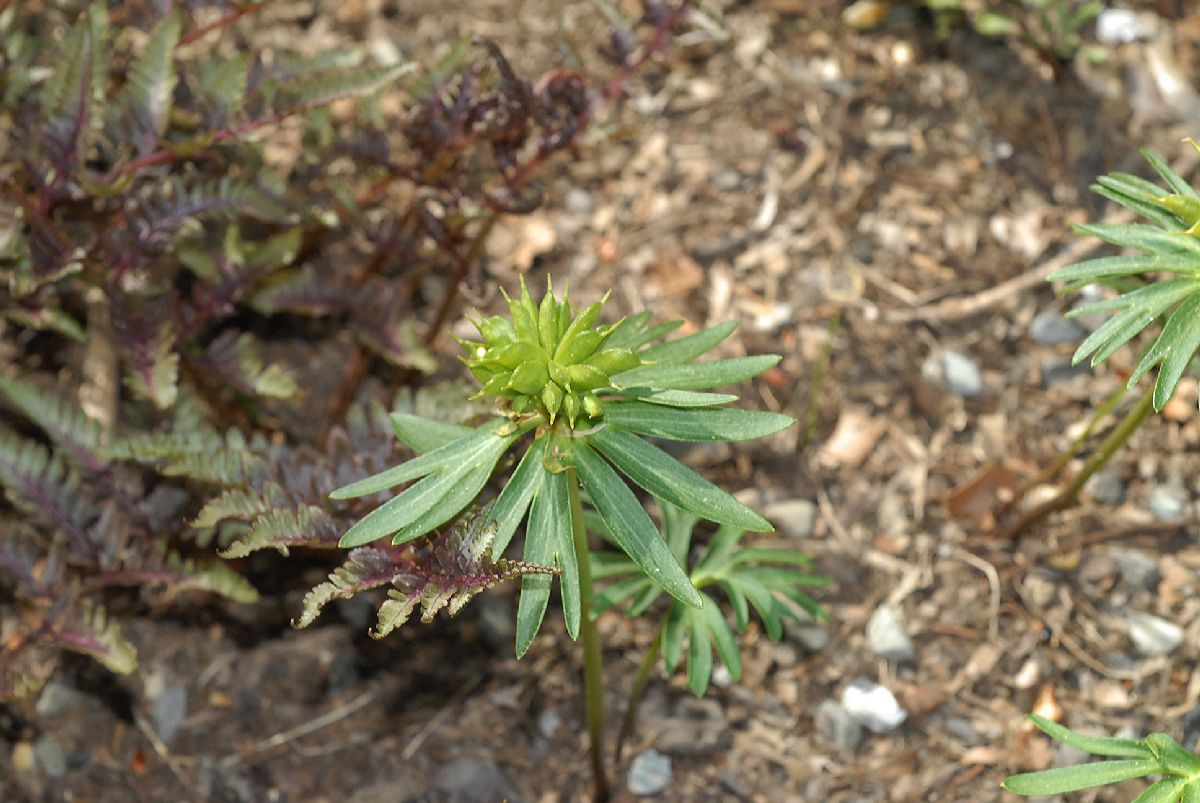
[{"x": 546, "y": 359}]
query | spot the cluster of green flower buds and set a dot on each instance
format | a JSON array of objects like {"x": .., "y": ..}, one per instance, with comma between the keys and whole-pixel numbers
[{"x": 546, "y": 359}]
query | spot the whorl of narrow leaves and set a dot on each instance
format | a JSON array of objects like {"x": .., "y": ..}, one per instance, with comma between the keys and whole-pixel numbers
[
  {"x": 445, "y": 572},
  {"x": 1157, "y": 754},
  {"x": 590, "y": 394},
  {"x": 767, "y": 580},
  {"x": 1169, "y": 244}
]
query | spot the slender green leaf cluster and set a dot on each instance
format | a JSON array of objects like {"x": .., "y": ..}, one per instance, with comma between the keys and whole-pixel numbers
[
  {"x": 768, "y": 580},
  {"x": 1159, "y": 283},
  {"x": 589, "y": 397},
  {"x": 1157, "y": 754}
]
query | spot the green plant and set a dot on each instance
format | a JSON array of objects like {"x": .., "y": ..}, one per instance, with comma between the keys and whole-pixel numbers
[
  {"x": 1161, "y": 283},
  {"x": 1157, "y": 754},
  {"x": 183, "y": 237},
  {"x": 580, "y": 401},
  {"x": 1053, "y": 28}
]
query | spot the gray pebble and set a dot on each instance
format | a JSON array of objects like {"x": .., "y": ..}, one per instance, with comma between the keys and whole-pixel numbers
[
  {"x": 1060, "y": 369},
  {"x": 1106, "y": 486},
  {"x": 51, "y": 757},
  {"x": 1138, "y": 569},
  {"x": 577, "y": 201},
  {"x": 873, "y": 706},
  {"x": 886, "y": 636},
  {"x": 549, "y": 722},
  {"x": 962, "y": 375},
  {"x": 169, "y": 709},
  {"x": 810, "y": 634},
  {"x": 1049, "y": 328},
  {"x": 1153, "y": 636},
  {"x": 834, "y": 726},
  {"x": 57, "y": 697},
  {"x": 649, "y": 773},
  {"x": 1167, "y": 503},
  {"x": 795, "y": 518},
  {"x": 472, "y": 781},
  {"x": 961, "y": 729}
]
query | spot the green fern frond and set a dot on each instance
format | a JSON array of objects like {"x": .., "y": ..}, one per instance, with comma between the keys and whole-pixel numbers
[
  {"x": 223, "y": 85},
  {"x": 1170, "y": 244},
  {"x": 239, "y": 503},
  {"x": 365, "y": 568},
  {"x": 154, "y": 374},
  {"x": 91, "y": 631},
  {"x": 142, "y": 108},
  {"x": 313, "y": 92},
  {"x": 65, "y": 424},
  {"x": 307, "y": 525},
  {"x": 67, "y": 102},
  {"x": 41, "y": 484},
  {"x": 211, "y": 576},
  {"x": 195, "y": 452}
]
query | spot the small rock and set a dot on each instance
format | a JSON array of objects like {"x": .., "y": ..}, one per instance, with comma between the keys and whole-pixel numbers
[
  {"x": 873, "y": 706},
  {"x": 1106, "y": 487},
  {"x": 22, "y": 757},
  {"x": 962, "y": 729},
  {"x": 1049, "y": 328},
  {"x": 577, "y": 201},
  {"x": 885, "y": 634},
  {"x": 649, "y": 773},
  {"x": 794, "y": 517},
  {"x": 1098, "y": 570},
  {"x": 690, "y": 726},
  {"x": 1138, "y": 569},
  {"x": 168, "y": 708},
  {"x": 549, "y": 722},
  {"x": 812, "y": 635},
  {"x": 497, "y": 624},
  {"x": 962, "y": 376},
  {"x": 1060, "y": 369},
  {"x": 1153, "y": 636},
  {"x": 836, "y": 727},
  {"x": 57, "y": 697},
  {"x": 51, "y": 757},
  {"x": 722, "y": 678},
  {"x": 473, "y": 781},
  {"x": 1167, "y": 503},
  {"x": 1120, "y": 26}
]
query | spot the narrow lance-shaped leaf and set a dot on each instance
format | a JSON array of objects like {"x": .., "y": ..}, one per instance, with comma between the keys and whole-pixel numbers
[
  {"x": 630, "y": 525},
  {"x": 696, "y": 375},
  {"x": 689, "y": 347},
  {"x": 514, "y": 500},
  {"x": 444, "y": 487},
  {"x": 464, "y": 449},
  {"x": 694, "y": 424},
  {"x": 1082, "y": 776},
  {"x": 667, "y": 478}
]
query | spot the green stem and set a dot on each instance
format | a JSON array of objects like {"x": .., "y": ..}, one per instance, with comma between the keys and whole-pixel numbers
[
  {"x": 1115, "y": 440},
  {"x": 593, "y": 662},
  {"x": 1055, "y": 468},
  {"x": 639, "y": 686}
]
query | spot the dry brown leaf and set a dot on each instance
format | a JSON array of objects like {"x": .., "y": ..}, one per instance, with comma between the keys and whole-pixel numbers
[
  {"x": 853, "y": 438},
  {"x": 975, "y": 499},
  {"x": 516, "y": 242}
]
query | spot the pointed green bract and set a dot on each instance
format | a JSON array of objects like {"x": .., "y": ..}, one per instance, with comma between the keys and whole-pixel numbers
[{"x": 698, "y": 375}]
